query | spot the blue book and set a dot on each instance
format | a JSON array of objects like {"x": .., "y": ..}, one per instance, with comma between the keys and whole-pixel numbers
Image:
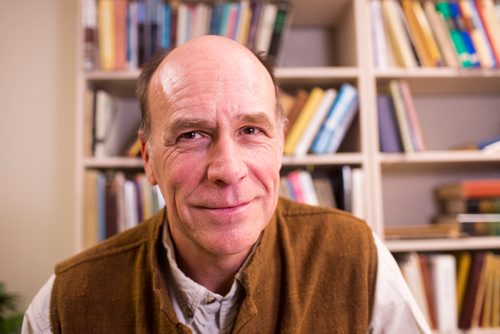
[
  {"x": 457, "y": 17},
  {"x": 215, "y": 19},
  {"x": 340, "y": 113},
  {"x": 390, "y": 139},
  {"x": 224, "y": 19},
  {"x": 101, "y": 206},
  {"x": 166, "y": 30}
]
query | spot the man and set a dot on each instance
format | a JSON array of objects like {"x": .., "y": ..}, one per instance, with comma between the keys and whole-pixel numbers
[{"x": 227, "y": 255}]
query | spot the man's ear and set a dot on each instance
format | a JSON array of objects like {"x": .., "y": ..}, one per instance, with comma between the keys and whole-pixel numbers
[{"x": 147, "y": 159}]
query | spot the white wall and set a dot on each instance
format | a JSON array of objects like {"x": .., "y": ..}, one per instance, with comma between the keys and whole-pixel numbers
[{"x": 37, "y": 94}]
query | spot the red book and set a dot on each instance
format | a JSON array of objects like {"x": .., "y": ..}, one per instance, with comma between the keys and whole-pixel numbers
[{"x": 470, "y": 189}]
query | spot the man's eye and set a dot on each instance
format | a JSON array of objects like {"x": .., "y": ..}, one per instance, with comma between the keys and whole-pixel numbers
[
  {"x": 190, "y": 135},
  {"x": 251, "y": 130}
]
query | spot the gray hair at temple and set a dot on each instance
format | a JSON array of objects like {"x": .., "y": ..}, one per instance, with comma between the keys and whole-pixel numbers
[{"x": 150, "y": 67}]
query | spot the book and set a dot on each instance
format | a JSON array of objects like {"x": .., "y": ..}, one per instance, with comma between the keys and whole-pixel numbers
[
  {"x": 440, "y": 31},
  {"x": 280, "y": 23},
  {"x": 132, "y": 43},
  {"x": 443, "y": 272},
  {"x": 456, "y": 35},
  {"x": 401, "y": 44},
  {"x": 470, "y": 205},
  {"x": 411, "y": 269},
  {"x": 380, "y": 48},
  {"x": 485, "y": 9},
  {"x": 358, "y": 193},
  {"x": 102, "y": 119},
  {"x": 324, "y": 191},
  {"x": 473, "y": 224},
  {"x": 401, "y": 116},
  {"x": 429, "y": 290},
  {"x": 417, "y": 137},
  {"x": 463, "y": 268},
  {"x": 465, "y": 318},
  {"x": 338, "y": 119},
  {"x": 389, "y": 137},
  {"x": 91, "y": 214},
  {"x": 124, "y": 120},
  {"x": 425, "y": 231},
  {"x": 106, "y": 34},
  {"x": 417, "y": 34},
  {"x": 244, "y": 22},
  {"x": 90, "y": 42},
  {"x": 475, "y": 28},
  {"x": 300, "y": 100},
  {"x": 470, "y": 188},
  {"x": 315, "y": 122},
  {"x": 486, "y": 272},
  {"x": 457, "y": 17},
  {"x": 120, "y": 28},
  {"x": 265, "y": 27},
  {"x": 305, "y": 115},
  {"x": 435, "y": 55}
]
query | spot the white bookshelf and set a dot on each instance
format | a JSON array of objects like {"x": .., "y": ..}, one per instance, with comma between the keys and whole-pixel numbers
[{"x": 451, "y": 103}]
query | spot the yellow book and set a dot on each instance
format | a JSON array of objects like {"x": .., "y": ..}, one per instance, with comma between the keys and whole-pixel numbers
[
  {"x": 416, "y": 32},
  {"x": 244, "y": 26},
  {"x": 464, "y": 262},
  {"x": 303, "y": 119},
  {"x": 435, "y": 55},
  {"x": 489, "y": 264},
  {"x": 495, "y": 318},
  {"x": 399, "y": 39},
  {"x": 106, "y": 34}
]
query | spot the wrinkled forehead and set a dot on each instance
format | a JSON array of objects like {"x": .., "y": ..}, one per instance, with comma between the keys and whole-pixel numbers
[{"x": 196, "y": 68}]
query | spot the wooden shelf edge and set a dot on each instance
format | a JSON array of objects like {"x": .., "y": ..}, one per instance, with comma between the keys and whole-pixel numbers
[
  {"x": 437, "y": 157},
  {"x": 473, "y": 243},
  {"x": 327, "y": 159},
  {"x": 112, "y": 162},
  {"x": 446, "y": 73}
]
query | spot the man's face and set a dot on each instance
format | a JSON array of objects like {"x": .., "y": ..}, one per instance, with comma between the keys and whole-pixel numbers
[{"x": 215, "y": 151}]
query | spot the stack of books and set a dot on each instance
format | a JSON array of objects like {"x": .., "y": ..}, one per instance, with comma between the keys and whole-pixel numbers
[
  {"x": 319, "y": 120},
  {"x": 427, "y": 33},
  {"x": 121, "y": 34},
  {"x": 472, "y": 205}
]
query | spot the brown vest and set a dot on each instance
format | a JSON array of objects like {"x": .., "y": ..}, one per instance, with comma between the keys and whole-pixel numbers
[{"x": 314, "y": 271}]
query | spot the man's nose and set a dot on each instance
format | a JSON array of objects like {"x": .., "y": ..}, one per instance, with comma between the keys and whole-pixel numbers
[{"x": 226, "y": 164}]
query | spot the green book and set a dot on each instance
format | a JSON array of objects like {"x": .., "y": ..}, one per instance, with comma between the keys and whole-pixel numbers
[{"x": 456, "y": 36}]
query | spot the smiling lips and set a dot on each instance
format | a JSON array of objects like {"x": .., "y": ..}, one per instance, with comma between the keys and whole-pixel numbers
[{"x": 226, "y": 208}]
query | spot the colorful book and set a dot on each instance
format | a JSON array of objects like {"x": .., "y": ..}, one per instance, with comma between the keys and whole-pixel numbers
[
  {"x": 315, "y": 122},
  {"x": 282, "y": 18},
  {"x": 429, "y": 40},
  {"x": 486, "y": 10},
  {"x": 460, "y": 24},
  {"x": 338, "y": 120},
  {"x": 303, "y": 119},
  {"x": 440, "y": 31},
  {"x": 474, "y": 26},
  {"x": 456, "y": 34}
]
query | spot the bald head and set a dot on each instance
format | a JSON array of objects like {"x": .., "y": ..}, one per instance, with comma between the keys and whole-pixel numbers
[{"x": 198, "y": 61}]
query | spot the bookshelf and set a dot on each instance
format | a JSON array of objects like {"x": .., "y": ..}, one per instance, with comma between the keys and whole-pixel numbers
[{"x": 326, "y": 44}]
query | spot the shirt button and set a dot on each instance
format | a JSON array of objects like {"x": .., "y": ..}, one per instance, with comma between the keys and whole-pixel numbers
[{"x": 209, "y": 300}]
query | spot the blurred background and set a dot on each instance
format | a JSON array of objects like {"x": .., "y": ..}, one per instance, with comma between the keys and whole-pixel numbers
[{"x": 37, "y": 99}]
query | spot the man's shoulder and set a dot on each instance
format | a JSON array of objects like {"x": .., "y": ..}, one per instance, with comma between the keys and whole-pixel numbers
[{"x": 119, "y": 245}]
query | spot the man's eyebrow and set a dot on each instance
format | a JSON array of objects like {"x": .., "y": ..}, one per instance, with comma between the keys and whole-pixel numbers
[
  {"x": 259, "y": 118},
  {"x": 180, "y": 124}
]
